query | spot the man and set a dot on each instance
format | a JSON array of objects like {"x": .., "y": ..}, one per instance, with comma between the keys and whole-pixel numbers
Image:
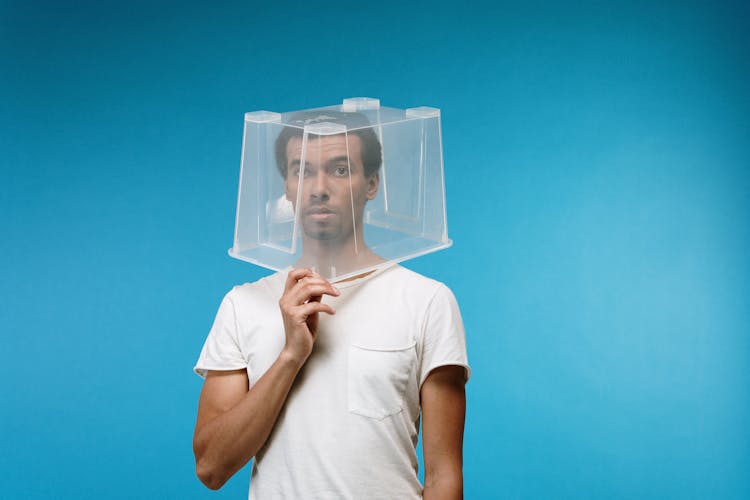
[{"x": 327, "y": 395}]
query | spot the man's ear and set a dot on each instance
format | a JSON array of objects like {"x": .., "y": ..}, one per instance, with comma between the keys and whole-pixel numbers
[
  {"x": 373, "y": 183},
  {"x": 286, "y": 189}
]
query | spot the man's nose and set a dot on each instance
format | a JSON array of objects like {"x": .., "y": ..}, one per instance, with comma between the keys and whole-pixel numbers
[{"x": 320, "y": 187}]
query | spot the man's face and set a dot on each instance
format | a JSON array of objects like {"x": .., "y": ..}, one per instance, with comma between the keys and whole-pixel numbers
[{"x": 334, "y": 184}]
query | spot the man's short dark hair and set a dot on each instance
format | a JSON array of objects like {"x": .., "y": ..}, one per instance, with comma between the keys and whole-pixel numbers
[{"x": 371, "y": 150}]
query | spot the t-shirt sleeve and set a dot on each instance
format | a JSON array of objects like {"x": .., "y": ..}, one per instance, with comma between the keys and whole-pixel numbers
[
  {"x": 221, "y": 351},
  {"x": 443, "y": 337}
]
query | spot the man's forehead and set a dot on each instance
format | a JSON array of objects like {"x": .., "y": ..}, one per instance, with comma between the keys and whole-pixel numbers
[{"x": 327, "y": 145}]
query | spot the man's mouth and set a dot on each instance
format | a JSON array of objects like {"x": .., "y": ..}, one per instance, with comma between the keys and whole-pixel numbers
[
  {"x": 320, "y": 213},
  {"x": 319, "y": 210}
]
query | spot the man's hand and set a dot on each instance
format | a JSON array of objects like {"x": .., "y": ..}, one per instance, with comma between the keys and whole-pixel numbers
[{"x": 300, "y": 305}]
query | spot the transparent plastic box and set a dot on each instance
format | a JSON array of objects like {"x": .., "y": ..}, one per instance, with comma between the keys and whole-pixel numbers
[{"x": 341, "y": 189}]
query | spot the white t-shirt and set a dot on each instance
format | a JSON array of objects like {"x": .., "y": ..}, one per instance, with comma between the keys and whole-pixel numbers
[{"x": 349, "y": 426}]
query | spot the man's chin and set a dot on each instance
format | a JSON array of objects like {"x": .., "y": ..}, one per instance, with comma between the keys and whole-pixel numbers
[{"x": 321, "y": 233}]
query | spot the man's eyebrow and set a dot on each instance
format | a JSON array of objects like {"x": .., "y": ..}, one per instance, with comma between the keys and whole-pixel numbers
[{"x": 337, "y": 159}]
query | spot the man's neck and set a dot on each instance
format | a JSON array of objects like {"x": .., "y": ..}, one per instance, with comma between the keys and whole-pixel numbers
[{"x": 331, "y": 257}]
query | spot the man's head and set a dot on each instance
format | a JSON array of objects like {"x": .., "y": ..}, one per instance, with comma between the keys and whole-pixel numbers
[
  {"x": 356, "y": 123},
  {"x": 340, "y": 174}
]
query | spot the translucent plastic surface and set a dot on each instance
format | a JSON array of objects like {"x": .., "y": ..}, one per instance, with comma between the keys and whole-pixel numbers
[{"x": 341, "y": 189}]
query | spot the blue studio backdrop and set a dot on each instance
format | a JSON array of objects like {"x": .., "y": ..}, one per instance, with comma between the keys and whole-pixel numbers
[{"x": 596, "y": 160}]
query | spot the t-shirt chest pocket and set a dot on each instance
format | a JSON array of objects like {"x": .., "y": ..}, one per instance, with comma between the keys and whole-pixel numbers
[{"x": 378, "y": 378}]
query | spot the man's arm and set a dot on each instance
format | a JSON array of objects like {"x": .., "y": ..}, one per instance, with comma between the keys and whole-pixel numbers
[
  {"x": 234, "y": 422},
  {"x": 443, "y": 414}
]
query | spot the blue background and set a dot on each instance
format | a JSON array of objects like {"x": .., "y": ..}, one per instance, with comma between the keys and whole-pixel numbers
[{"x": 596, "y": 163}]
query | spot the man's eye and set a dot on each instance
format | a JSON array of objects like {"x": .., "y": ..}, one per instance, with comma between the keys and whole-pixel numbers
[
  {"x": 295, "y": 172},
  {"x": 341, "y": 171}
]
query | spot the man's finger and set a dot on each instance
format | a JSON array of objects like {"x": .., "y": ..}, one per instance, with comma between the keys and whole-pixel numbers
[
  {"x": 295, "y": 275},
  {"x": 315, "y": 307},
  {"x": 304, "y": 292}
]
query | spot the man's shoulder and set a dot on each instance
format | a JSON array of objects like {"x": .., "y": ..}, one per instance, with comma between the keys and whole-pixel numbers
[
  {"x": 263, "y": 288},
  {"x": 410, "y": 281},
  {"x": 400, "y": 272}
]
